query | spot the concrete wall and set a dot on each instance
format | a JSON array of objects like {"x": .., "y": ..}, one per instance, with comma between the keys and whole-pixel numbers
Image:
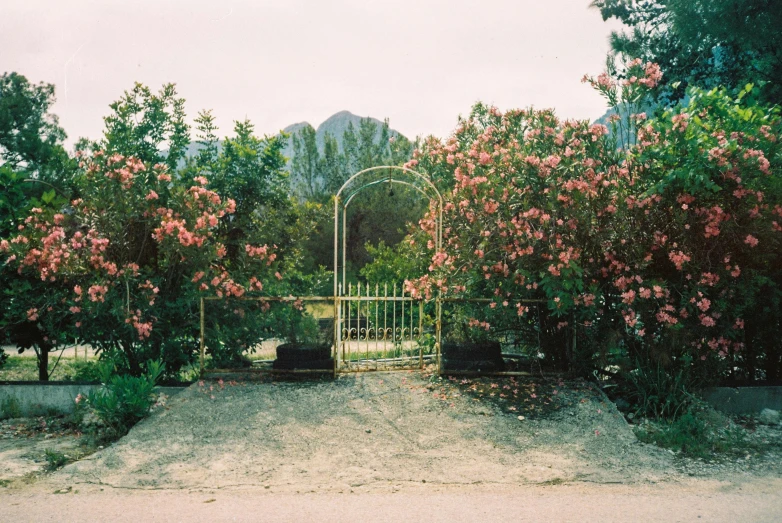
[
  {"x": 744, "y": 400},
  {"x": 52, "y": 398}
]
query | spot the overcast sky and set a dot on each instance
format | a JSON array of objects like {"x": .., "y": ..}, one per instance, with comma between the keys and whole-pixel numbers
[{"x": 420, "y": 63}]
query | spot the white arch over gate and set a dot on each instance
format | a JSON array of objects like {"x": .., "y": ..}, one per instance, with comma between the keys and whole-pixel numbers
[{"x": 368, "y": 178}]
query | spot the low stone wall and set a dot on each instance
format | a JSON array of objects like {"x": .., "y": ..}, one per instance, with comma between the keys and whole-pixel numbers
[
  {"x": 36, "y": 398},
  {"x": 744, "y": 400}
]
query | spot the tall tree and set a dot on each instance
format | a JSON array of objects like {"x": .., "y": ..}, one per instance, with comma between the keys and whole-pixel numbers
[
  {"x": 35, "y": 170},
  {"x": 305, "y": 165},
  {"x": 704, "y": 43},
  {"x": 332, "y": 166}
]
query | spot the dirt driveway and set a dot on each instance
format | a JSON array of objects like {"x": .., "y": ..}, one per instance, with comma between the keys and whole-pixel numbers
[{"x": 394, "y": 440}]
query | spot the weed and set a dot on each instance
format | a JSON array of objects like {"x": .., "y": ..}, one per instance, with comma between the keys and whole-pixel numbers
[
  {"x": 9, "y": 408},
  {"x": 701, "y": 432},
  {"x": 659, "y": 392},
  {"x": 55, "y": 459},
  {"x": 86, "y": 371}
]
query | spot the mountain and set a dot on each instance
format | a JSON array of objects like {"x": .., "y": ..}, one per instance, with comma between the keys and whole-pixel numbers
[{"x": 335, "y": 125}]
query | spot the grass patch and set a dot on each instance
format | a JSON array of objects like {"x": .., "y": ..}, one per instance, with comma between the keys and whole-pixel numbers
[
  {"x": 55, "y": 459},
  {"x": 701, "y": 433},
  {"x": 10, "y": 409},
  {"x": 22, "y": 368}
]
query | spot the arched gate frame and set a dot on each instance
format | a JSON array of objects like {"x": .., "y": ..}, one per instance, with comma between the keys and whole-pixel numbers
[{"x": 350, "y": 189}]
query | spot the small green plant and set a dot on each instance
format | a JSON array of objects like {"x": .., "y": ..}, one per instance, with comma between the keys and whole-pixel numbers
[
  {"x": 84, "y": 371},
  {"x": 55, "y": 459},
  {"x": 659, "y": 392},
  {"x": 3, "y": 358},
  {"x": 124, "y": 400},
  {"x": 700, "y": 432},
  {"x": 10, "y": 408}
]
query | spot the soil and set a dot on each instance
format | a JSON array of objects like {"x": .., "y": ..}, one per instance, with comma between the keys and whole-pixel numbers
[
  {"x": 24, "y": 442},
  {"x": 369, "y": 431},
  {"x": 375, "y": 434}
]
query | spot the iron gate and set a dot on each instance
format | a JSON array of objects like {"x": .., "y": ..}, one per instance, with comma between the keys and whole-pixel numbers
[{"x": 383, "y": 328}]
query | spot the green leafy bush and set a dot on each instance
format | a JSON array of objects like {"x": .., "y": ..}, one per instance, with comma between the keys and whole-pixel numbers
[
  {"x": 701, "y": 432},
  {"x": 124, "y": 400},
  {"x": 658, "y": 391}
]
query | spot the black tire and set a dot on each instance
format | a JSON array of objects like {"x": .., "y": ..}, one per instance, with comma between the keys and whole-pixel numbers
[
  {"x": 453, "y": 365},
  {"x": 293, "y": 352},
  {"x": 487, "y": 350},
  {"x": 324, "y": 364}
]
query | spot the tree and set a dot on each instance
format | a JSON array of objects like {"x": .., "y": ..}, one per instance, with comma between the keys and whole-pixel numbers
[
  {"x": 126, "y": 260},
  {"x": 703, "y": 43},
  {"x": 332, "y": 166},
  {"x": 378, "y": 214},
  {"x": 30, "y": 137},
  {"x": 35, "y": 170},
  {"x": 305, "y": 165},
  {"x": 145, "y": 125},
  {"x": 374, "y": 217}
]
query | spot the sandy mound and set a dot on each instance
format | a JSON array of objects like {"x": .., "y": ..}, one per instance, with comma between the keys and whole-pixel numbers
[{"x": 365, "y": 432}]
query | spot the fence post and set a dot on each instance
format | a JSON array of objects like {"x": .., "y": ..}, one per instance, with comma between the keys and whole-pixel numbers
[
  {"x": 438, "y": 331},
  {"x": 203, "y": 347},
  {"x": 420, "y": 334}
]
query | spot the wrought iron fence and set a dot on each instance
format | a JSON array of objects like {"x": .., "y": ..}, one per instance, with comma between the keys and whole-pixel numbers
[{"x": 382, "y": 328}]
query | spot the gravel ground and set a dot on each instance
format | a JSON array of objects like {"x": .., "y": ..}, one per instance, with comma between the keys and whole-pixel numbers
[
  {"x": 391, "y": 446},
  {"x": 364, "y": 433}
]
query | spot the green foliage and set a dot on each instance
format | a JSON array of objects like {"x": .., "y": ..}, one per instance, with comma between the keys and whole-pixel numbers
[
  {"x": 702, "y": 43},
  {"x": 124, "y": 400},
  {"x": 700, "y": 432},
  {"x": 10, "y": 408},
  {"x": 305, "y": 165},
  {"x": 378, "y": 214},
  {"x": 393, "y": 264},
  {"x": 35, "y": 171},
  {"x": 143, "y": 125},
  {"x": 146, "y": 239},
  {"x": 55, "y": 459},
  {"x": 658, "y": 391},
  {"x": 30, "y": 137},
  {"x": 84, "y": 371}
]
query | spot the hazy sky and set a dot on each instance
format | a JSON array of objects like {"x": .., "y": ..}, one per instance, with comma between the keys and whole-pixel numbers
[{"x": 420, "y": 63}]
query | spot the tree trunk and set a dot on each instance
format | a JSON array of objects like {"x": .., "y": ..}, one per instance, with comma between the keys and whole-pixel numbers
[
  {"x": 43, "y": 362},
  {"x": 133, "y": 363}
]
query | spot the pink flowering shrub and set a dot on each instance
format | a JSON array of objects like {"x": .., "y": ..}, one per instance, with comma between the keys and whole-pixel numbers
[
  {"x": 530, "y": 204},
  {"x": 131, "y": 256},
  {"x": 699, "y": 273},
  {"x": 663, "y": 250}
]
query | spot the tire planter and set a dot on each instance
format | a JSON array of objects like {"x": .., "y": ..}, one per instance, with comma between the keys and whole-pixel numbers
[
  {"x": 473, "y": 357},
  {"x": 327, "y": 364},
  {"x": 291, "y": 356},
  {"x": 451, "y": 365},
  {"x": 489, "y": 350},
  {"x": 294, "y": 352}
]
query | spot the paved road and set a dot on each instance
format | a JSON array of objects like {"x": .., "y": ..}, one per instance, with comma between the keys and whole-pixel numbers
[{"x": 711, "y": 501}]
